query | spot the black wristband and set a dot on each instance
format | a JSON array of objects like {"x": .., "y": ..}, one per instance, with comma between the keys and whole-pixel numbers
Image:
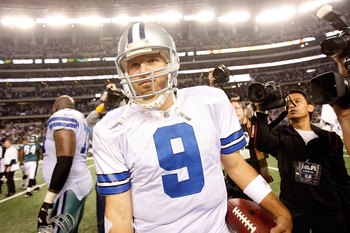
[
  {"x": 61, "y": 172},
  {"x": 47, "y": 206},
  {"x": 13, "y": 161}
]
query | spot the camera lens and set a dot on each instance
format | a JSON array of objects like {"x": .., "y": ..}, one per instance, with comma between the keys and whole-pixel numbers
[
  {"x": 218, "y": 73},
  {"x": 334, "y": 45},
  {"x": 221, "y": 74},
  {"x": 256, "y": 92}
]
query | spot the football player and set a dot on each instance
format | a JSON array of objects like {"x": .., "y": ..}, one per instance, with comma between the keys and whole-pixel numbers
[
  {"x": 24, "y": 181},
  {"x": 158, "y": 159},
  {"x": 2, "y": 166},
  {"x": 64, "y": 164},
  {"x": 32, "y": 152}
]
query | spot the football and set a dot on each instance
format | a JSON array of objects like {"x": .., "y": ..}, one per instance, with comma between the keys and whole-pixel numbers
[{"x": 244, "y": 216}]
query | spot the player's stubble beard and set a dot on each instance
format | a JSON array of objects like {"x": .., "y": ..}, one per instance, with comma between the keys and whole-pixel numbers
[{"x": 146, "y": 88}]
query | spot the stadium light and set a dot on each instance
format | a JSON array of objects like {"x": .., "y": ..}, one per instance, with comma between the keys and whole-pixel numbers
[
  {"x": 55, "y": 21},
  {"x": 62, "y": 20},
  {"x": 21, "y": 22},
  {"x": 312, "y": 5},
  {"x": 235, "y": 17},
  {"x": 92, "y": 20},
  {"x": 121, "y": 19},
  {"x": 204, "y": 16},
  {"x": 169, "y": 17},
  {"x": 275, "y": 15}
]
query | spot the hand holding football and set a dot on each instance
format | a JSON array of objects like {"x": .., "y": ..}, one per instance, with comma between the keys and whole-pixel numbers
[{"x": 244, "y": 216}]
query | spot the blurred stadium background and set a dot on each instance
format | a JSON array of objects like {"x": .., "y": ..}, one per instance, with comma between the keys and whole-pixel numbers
[{"x": 54, "y": 47}]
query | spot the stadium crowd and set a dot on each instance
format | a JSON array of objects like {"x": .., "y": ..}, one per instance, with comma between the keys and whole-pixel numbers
[
  {"x": 210, "y": 37},
  {"x": 86, "y": 95}
]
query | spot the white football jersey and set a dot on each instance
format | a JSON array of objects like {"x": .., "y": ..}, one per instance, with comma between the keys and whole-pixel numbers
[
  {"x": 171, "y": 164},
  {"x": 69, "y": 119}
]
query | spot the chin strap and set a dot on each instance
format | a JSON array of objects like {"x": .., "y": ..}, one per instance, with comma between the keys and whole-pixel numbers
[
  {"x": 122, "y": 119},
  {"x": 155, "y": 104},
  {"x": 181, "y": 114},
  {"x": 177, "y": 109}
]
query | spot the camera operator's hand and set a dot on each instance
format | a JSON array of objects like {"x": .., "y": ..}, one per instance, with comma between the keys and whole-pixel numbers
[
  {"x": 101, "y": 107},
  {"x": 211, "y": 78},
  {"x": 340, "y": 62},
  {"x": 343, "y": 115},
  {"x": 111, "y": 86}
]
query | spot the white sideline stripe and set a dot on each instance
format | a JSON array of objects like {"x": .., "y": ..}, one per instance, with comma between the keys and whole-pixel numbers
[
  {"x": 18, "y": 194},
  {"x": 23, "y": 192},
  {"x": 273, "y": 168}
]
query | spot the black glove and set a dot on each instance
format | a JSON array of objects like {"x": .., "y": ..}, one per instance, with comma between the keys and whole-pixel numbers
[{"x": 44, "y": 215}]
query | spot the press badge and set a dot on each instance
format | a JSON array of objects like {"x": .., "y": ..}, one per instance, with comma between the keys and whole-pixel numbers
[{"x": 307, "y": 173}]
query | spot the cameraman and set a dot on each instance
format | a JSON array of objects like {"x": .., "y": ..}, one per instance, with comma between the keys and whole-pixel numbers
[
  {"x": 111, "y": 98},
  {"x": 253, "y": 156},
  {"x": 343, "y": 113},
  {"x": 315, "y": 185}
]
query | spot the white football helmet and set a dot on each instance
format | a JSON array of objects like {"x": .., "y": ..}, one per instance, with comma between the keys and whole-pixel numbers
[
  {"x": 33, "y": 138},
  {"x": 147, "y": 38},
  {"x": 64, "y": 223}
]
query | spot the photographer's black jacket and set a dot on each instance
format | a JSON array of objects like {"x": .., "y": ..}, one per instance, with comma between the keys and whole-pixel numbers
[{"x": 332, "y": 195}]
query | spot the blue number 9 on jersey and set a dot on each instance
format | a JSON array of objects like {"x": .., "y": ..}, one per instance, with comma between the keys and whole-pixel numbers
[{"x": 171, "y": 159}]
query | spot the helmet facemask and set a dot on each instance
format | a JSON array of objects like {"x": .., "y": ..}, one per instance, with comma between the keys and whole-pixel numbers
[{"x": 161, "y": 43}]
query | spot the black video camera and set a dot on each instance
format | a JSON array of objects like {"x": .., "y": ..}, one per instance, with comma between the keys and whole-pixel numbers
[
  {"x": 337, "y": 44},
  {"x": 221, "y": 74},
  {"x": 330, "y": 88},
  {"x": 270, "y": 95}
]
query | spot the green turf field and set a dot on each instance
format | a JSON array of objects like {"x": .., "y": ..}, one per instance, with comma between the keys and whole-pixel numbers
[{"x": 18, "y": 214}]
